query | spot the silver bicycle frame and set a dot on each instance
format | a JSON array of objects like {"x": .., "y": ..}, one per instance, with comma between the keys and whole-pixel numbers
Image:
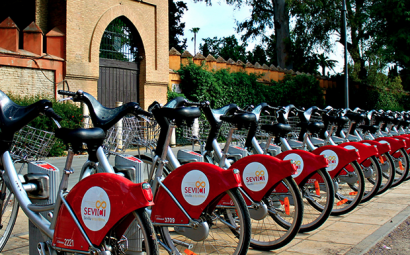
[{"x": 32, "y": 211}]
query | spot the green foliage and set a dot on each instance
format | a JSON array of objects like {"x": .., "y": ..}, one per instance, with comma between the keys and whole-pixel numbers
[
  {"x": 225, "y": 47},
  {"x": 118, "y": 36},
  {"x": 222, "y": 87},
  {"x": 392, "y": 26},
  {"x": 176, "y": 27},
  {"x": 172, "y": 94},
  {"x": 71, "y": 114},
  {"x": 377, "y": 92},
  {"x": 300, "y": 90}
]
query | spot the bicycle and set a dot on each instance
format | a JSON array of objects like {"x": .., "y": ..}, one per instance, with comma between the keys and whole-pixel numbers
[
  {"x": 199, "y": 202},
  {"x": 274, "y": 202},
  {"x": 399, "y": 159},
  {"x": 348, "y": 179},
  {"x": 94, "y": 216}
]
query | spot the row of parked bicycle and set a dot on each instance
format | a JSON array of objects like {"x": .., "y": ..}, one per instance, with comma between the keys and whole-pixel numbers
[{"x": 267, "y": 183}]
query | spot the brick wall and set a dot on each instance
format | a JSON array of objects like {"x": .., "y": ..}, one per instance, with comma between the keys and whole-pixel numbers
[
  {"x": 86, "y": 23},
  {"x": 26, "y": 81}
]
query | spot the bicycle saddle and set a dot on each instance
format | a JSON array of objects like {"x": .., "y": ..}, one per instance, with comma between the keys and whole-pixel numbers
[
  {"x": 357, "y": 117},
  {"x": 341, "y": 120},
  {"x": 240, "y": 120},
  {"x": 180, "y": 115},
  {"x": 101, "y": 116},
  {"x": 372, "y": 129},
  {"x": 93, "y": 137},
  {"x": 278, "y": 129},
  {"x": 13, "y": 116},
  {"x": 225, "y": 110}
]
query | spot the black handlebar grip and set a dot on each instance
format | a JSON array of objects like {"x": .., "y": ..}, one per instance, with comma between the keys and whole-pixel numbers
[
  {"x": 140, "y": 111},
  {"x": 49, "y": 112},
  {"x": 67, "y": 93}
]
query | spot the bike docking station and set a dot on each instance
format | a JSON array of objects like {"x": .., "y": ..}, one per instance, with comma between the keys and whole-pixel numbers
[{"x": 46, "y": 180}]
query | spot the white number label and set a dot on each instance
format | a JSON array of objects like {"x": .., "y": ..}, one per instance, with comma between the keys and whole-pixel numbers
[
  {"x": 169, "y": 220},
  {"x": 68, "y": 242}
]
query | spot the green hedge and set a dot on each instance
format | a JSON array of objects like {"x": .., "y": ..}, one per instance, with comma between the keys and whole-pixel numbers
[
  {"x": 71, "y": 114},
  {"x": 222, "y": 87}
]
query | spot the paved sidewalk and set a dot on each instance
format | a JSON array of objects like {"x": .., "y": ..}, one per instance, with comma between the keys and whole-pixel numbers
[{"x": 354, "y": 233}]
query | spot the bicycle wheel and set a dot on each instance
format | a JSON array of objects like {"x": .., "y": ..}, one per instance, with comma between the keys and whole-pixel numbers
[
  {"x": 372, "y": 176},
  {"x": 9, "y": 211},
  {"x": 285, "y": 213},
  {"x": 349, "y": 189},
  {"x": 401, "y": 165},
  {"x": 229, "y": 231},
  {"x": 318, "y": 197},
  {"x": 388, "y": 172},
  {"x": 138, "y": 237}
]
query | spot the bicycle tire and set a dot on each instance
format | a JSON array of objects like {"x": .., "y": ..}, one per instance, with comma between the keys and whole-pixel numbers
[
  {"x": 373, "y": 182},
  {"x": 348, "y": 195},
  {"x": 8, "y": 218},
  {"x": 138, "y": 237},
  {"x": 400, "y": 174},
  {"x": 267, "y": 233},
  {"x": 313, "y": 219},
  {"x": 388, "y": 172},
  {"x": 221, "y": 239}
]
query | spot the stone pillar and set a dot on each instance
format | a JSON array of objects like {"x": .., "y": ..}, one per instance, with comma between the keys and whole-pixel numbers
[
  {"x": 220, "y": 63},
  {"x": 9, "y": 34},
  {"x": 249, "y": 68},
  {"x": 174, "y": 59},
  {"x": 198, "y": 59},
  {"x": 185, "y": 58},
  {"x": 211, "y": 62},
  {"x": 56, "y": 43},
  {"x": 33, "y": 39}
]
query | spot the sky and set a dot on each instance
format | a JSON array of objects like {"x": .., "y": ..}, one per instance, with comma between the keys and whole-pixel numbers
[{"x": 220, "y": 20}]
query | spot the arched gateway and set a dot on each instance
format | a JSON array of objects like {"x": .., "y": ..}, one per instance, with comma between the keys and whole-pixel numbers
[{"x": 119, "y": 63}]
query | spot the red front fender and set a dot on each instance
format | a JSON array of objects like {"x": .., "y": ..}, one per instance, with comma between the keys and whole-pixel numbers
[
  {"x": 394, "y": 143},
  {"x": 260, "y": 173},
  {"x": 99, "y": 202},
  {"x": 365, "y": 151},
  {"x": 306, "y": 163},
  {"x": 381, "y": 147},
  {"x": 338, "y": 157},
  {"x": 195, "y": 186}
]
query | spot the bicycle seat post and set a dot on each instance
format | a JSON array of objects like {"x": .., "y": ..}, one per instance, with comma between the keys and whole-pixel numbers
[
  {"x": 226, "y": 148},
  {"x": 162, "y": 160}
]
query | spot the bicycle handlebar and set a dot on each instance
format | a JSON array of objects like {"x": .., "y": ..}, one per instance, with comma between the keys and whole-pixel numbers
[
  {"x": 67, "y": 93},
  {"x": 49, "y": 112}
]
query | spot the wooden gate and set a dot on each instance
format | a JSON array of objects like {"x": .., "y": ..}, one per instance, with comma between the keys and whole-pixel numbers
[
  {"x": 118, "y": 63},
  {"x": 118, "y": 82}
]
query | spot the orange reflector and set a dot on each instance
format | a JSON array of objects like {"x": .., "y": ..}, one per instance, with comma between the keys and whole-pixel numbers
[
  {"x": 287, "y": 207},
  {"x": 317, "y": 188},
  {"x": 342, "y": 202},
  {"x": 281, "y": 202},
  {"x": 381, "y": 159},
  {"x": 354, "y": 193},
  {"x": 401, "y": 166},
  {"x": 189, "y": 252}
]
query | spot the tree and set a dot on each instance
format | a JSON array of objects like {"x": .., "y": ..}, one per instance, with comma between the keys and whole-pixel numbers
[
  {"x": 194, "y": 30},
  {"x": 324, "y": 62},
  {"x": 266, "y": 15},
  {"x": 225, "y": 47},
  {"x": 392, "y": 27},
  {"x": 176, "y": 27}
]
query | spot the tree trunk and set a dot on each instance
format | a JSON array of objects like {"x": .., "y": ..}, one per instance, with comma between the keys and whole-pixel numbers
[{"x": 281, "y": 18}]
